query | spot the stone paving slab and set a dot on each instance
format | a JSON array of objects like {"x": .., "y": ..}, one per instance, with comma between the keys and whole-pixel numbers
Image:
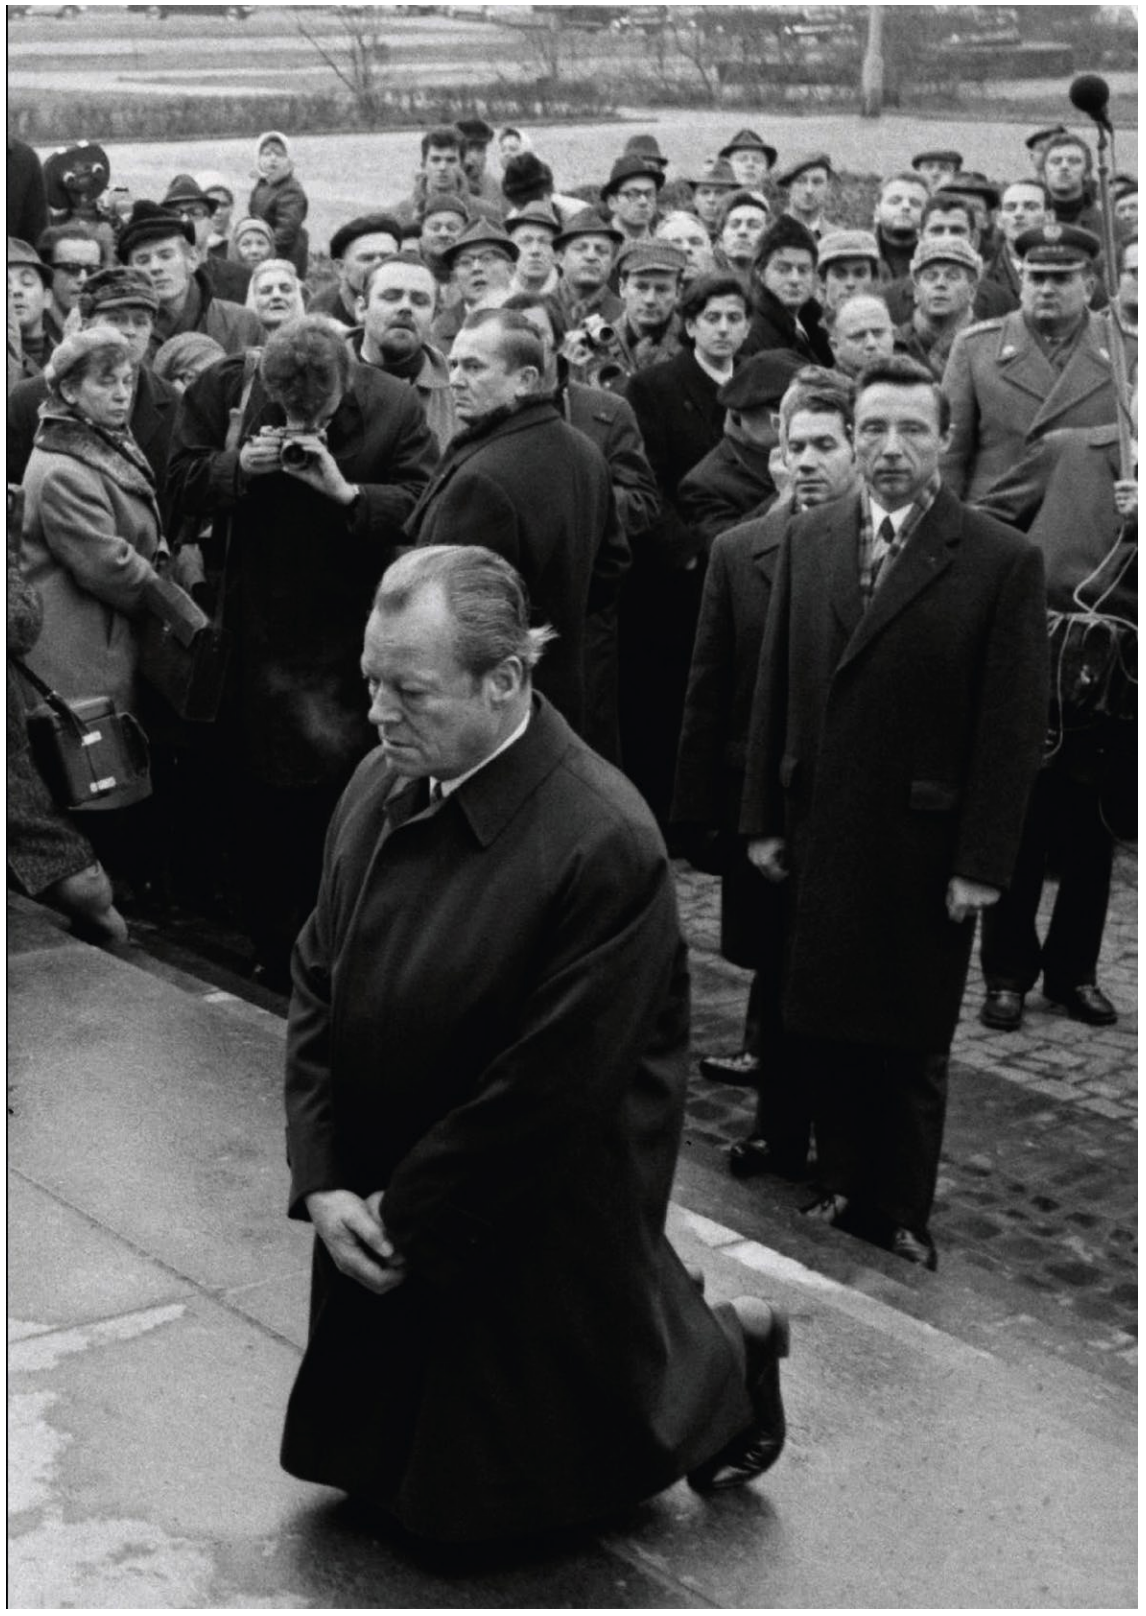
[{"x": 147, "y": 1386}]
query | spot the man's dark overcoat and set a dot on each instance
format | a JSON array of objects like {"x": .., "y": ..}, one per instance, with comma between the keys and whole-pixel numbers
[
  {"x": 301, "y": 570},
  {"x": 893, "y": 749},
  {"x": 457, "y": 1038},
  {"x": 773, "y": 326},
  {"x": 718, "y": 707},
  {"x": 732, "y": 482},
  {"x": 538, "y": 492},
  {"x": 1005, "y": 393}
]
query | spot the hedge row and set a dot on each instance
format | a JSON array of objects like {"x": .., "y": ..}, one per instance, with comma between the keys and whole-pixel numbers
[{"x": 51, "y": 117}]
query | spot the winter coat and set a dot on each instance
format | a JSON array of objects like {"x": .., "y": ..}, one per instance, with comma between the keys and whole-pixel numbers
[
  {"x": 538, "y": 492},
  {"x": 892, "y": 749},
  {"x": 457, "y": 1039},
  {"x": 1005, "y": 393},
  {"x": 301, "y": 570},
  {"x": 232, "y": 326},
  {"x": 731, "y": 483},
  {"x": 773, "y": 326},
  {"x": 91, "y": 534},
  {"x": 152, "y": 419},
  {"x": 283, "y": 204}
]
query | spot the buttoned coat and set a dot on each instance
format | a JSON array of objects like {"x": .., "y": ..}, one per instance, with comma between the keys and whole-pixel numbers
[
  {"x": 537, "y": 491},
  {"x": 891, "y": 750},
  {"x": 459, "y": 1038},
  {"x": 717, "y": 711},
  {"x": 91, "y": 535},
  {"x": 1005, "y": 393}
]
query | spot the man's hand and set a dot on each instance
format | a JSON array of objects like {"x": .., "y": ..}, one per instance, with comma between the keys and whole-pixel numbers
[
  {"x": 321, "y": 470},
  {"x": 767, "y": 854},
  {"x": 260, "y": 455},
  {"x": 352, "y": 1231},
  {"x": 965, "y": 898},
  {"x": 1126, "y": 498}
]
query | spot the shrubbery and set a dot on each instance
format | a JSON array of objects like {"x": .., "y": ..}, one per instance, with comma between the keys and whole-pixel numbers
[{"x": 46, "y": 119}]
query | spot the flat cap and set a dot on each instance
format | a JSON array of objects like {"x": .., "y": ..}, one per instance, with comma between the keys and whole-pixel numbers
[
  {"x": 800, "y": 165},
  {"x": 117, "y": 288},
  {"x": 481, "y": 233},
  {"x": 444, "y": 202},
  {"x": 945, "y": 250},
  {"x": 646, "y": 146},
  {"x": 940, "y": 154},
  {"x": 714, "y": 171},
  {"x": 20, "y": 252},
  {"x": 968, "y": 182},
  {"x": 838, "y": 244},
  {"x": 632, "y": 167},
  {"x": 761, "y": 381},
  {"x": 475, "y": 130},
  {"x": 588, "y": 223},
  {"x": 370, "y": 224},
  {"x": 1058, "y": 246},
  {"x": 749, "y": 140},
  {"x": 1037, "y": 136},
  {"x": 533, "y": 213},
  {"x": 150, "y": 222},
  {"x": 641, "y": 255},
  {"x": 186, "y": 188}
]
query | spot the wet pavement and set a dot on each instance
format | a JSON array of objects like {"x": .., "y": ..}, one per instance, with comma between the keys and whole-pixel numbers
[
  {"x": 1037, "y": 1198},
  {"x": 157, "y": 1306}
]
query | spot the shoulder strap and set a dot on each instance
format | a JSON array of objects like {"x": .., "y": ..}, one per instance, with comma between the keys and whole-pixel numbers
[{"x": 251, "y": 357}]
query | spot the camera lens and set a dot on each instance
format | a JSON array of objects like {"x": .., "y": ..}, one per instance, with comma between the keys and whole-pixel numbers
[{"x": 295, "y": 455}]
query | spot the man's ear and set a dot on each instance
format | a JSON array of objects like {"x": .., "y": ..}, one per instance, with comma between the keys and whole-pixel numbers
[
  {"x": 507, "y": 679},
  {"x": 527, "y": 380}
]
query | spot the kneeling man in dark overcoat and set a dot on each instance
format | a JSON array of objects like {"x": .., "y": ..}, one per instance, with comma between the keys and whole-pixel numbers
[{"x": 486, "y": 1075}]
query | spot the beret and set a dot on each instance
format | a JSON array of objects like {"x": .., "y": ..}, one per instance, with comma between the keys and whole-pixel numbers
[
  {"x": 367, "y": 224},
  {"x": 798, "y": 165}
]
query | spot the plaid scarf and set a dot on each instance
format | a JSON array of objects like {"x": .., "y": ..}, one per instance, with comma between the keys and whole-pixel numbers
[{"x": 876, "y": 553}]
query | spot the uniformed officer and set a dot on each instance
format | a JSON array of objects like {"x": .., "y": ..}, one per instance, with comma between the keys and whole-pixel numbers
[{"x": 1044, "y": 367}]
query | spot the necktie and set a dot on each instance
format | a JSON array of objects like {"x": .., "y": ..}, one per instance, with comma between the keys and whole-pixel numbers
[{"x": 885, "y": 539}]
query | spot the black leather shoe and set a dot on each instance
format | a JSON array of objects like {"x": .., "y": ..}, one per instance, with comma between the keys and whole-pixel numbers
[
  {"x": 740, "y": 1068},
  {"x": 1087, "y": 1002},
  {"x": 908, "y": 1245},
  {"x": 749, "y": 1158},
  {"x": 829, "y": 1209},
  {"x": 1002, "y": 1009},
  {"x": 767, "y": 1339}
]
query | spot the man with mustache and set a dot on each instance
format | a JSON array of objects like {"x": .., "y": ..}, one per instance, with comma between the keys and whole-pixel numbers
[{"x": 396, "y": 307}]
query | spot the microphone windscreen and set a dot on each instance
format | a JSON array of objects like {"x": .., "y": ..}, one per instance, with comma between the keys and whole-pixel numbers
[{"x": 1090, "y": 94}]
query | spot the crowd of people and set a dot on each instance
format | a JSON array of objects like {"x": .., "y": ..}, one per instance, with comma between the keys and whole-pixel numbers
[{"x": 642, "y": 394}]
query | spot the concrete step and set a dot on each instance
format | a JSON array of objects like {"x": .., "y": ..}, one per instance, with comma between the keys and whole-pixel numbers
[{"x": 157, "y": 1300}]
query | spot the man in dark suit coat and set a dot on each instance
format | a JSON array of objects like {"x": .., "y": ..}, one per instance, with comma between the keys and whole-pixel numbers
[
  {"x": 1068, "y": 494},
  {"x": 816, "y": 439},
  {"x": 896, "y": 732},
  {"x": 486, "y": 1074},
  {"x": 123, "y": 298},
  {"x": 522, "y": 482},
  {"x": 1045, "y": 367}
]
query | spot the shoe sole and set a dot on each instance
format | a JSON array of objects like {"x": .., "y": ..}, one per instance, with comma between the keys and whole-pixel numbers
[
  {"x": 1001, "y": 1023},
  {"x": 1075, "y": 1015}
]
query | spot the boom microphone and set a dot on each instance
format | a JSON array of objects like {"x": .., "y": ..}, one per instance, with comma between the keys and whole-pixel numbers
[{"x": 1091, "y": 94}]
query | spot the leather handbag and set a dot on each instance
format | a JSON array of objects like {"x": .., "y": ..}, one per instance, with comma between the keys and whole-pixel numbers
[
  {"x": 183, "y": 653},
  {"x": 91, "y": 755}
]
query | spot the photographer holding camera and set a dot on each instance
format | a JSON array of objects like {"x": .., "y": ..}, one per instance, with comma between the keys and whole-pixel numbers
[{"x": 309, "y": 464}]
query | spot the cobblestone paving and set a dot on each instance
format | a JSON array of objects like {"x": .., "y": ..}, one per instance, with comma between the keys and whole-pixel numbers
[{"x": 1038, "y": 1183}]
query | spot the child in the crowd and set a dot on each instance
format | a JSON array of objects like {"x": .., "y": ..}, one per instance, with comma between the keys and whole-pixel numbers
[{"x": 280, "y": 199}]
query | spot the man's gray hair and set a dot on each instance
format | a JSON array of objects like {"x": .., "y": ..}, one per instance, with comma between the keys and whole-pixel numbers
[{"x": 487, "y": 598}]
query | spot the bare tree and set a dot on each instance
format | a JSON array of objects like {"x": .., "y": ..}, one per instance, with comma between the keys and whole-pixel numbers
[{"x": 357, "y": 54}]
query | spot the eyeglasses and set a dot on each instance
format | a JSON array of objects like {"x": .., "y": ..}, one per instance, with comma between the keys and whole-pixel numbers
[
  {"x": 75, "y": 270},
  {"x": 195, "y": 210}
]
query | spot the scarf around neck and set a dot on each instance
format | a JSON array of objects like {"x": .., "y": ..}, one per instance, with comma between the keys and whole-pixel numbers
[{"x": 114, "y": 455}]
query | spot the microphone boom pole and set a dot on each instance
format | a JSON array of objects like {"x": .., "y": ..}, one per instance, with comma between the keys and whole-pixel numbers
[{"x": 1090, "y": 94}]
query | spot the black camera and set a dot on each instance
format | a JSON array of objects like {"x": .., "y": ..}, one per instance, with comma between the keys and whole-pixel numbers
[{"x": 296, "y": 455}]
